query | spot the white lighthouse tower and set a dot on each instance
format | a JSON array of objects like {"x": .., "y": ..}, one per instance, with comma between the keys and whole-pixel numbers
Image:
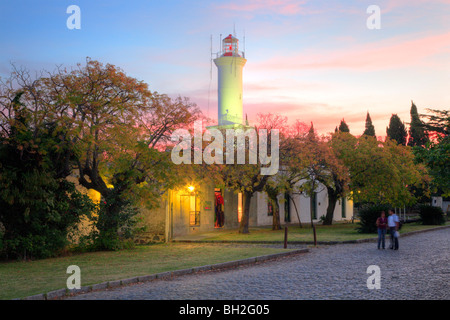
[{"x": 230, "y": 64}]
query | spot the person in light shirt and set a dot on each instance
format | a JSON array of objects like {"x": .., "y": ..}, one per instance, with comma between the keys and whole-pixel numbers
[{"x": 393, "y": 224}]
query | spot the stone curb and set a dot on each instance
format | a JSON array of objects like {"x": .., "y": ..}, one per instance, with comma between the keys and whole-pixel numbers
[{"x": 62, "y": 293}]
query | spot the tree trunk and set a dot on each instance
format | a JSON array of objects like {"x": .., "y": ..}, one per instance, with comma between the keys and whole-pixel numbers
[
  {"x": 276, "y": 215},
  {"x": 243, "y": 227},
  {"x": 298, "y": 216},
  {"x": 332, "y": 199}
]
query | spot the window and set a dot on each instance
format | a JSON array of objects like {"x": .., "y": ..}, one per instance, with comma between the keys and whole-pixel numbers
[
  {"x": 287, "y": 208},
  {"x": 239, "y": 206},
  {"x": 194, "y": 214},
  {"x": 269, "y": 208},
  {"x": 343, "y": 208},
  {"x": 313, "y": 203}
]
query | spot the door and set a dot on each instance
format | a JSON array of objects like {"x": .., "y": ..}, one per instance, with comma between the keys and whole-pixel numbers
[{"x": 219, "y": 219}]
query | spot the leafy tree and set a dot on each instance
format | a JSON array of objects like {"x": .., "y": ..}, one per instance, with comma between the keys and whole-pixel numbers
[
  {"x": 418, "y": 136},
  {"x": 311, "y": 164},
  {"x": 39, "y": 208},
  {"x": 380, "y": 172},
  {"x": 291, "y": 168},
  {"x": 119, "y": 130},
  {"x": 370, "y": 129},
  {"x": 247, "y": 177},
  {"x": 324, "y": 166},
  {"x": 436, "y": 154},
  {"x": 272, "y": 190},
  {"x": 396, "y": 130}
]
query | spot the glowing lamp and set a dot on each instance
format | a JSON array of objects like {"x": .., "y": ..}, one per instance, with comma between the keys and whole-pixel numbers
[{"x": 191, "y": 188}]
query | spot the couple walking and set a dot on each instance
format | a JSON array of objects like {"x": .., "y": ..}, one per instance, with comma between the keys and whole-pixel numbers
[{"x": 393, "y": 223}]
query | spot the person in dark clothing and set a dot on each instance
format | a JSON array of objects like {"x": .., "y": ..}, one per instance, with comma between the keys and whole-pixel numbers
[{"x": 382, "y": 228}]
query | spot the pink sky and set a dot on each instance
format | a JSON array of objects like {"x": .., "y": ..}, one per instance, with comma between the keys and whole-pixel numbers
[
  {"x": 347, "y": 74},
  {"x": 315, "y": 61}
]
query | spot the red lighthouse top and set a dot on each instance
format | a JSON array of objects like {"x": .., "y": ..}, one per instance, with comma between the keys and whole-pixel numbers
[{"x": 230, "y": 46}]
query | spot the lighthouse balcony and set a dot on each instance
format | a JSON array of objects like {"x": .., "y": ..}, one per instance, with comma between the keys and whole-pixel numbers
[
  {"x": 230, "y": 119},
  {"x": 240, "y": 54}
]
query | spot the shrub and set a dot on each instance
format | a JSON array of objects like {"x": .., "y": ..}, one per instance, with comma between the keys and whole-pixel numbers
[
  {"x": 39, "y": 208},
  {"x": 38, "y": 213},
  {"x": 368, "y": 214},
  {"x": 116, "y": 224},
  {"x": 430, "y": 215}
]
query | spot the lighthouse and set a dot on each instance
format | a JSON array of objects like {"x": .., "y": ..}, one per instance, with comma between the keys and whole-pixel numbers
[{"x": 230, "y": 64}]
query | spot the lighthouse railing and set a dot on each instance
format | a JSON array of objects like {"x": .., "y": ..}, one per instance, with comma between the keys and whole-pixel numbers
[{"x": 235, "y": 54}]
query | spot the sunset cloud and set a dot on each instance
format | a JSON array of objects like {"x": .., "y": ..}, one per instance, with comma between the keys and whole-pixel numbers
[
  {"x": 308, "y": 60},
  {"x": 384, "y": 54},
  {"x": 283, "y": 7}
]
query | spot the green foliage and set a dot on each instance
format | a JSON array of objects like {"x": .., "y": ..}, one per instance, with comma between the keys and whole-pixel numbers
[
  {"x": 104, "y": 126},
  {"x": 38, "y": 209},
  {"x": 380, "y": 172},
  {"x": 38, "y": 213},
  {"x": 430, "y": 215},
  {"x": 437, "y": 158},
  {"x": 436, "y": 154},
  {"x": 418, "y": 136},
  {"x": 116, "y": 224},
  {"x": 397, "y": 130},
  {"x": 370, "y": 129},
  {"x": 343, "y": 127},
  {"x": 368, "y": 215}
]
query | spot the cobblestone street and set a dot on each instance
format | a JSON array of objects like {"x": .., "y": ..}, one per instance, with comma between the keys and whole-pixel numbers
[{"x": 420, "y": 269}]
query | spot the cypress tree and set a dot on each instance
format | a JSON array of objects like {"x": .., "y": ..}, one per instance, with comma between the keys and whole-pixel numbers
[
  {"x": 370, "y": 129},
  {"x": 397, "y": 130},
  {"x": 417, "y": 134},
  {"x": 311, "y": 132},
  {"x": 343, "y": 127}
]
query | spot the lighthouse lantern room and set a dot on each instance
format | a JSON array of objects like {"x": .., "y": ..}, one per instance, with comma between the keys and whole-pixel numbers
[{"x": 231, "y": 46}]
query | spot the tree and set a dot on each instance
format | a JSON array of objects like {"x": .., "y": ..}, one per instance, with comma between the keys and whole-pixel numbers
[
  {"x": 417, "y": 134},
  {"x": 273, "y": 190},
  {"x": 436, "y": 153},
  {"x": 312, "y": 164},
  {"x": 119, "y": 129},
  {"x": 438, "y": 122},
  {"x": 343, "y": 127},
  {"x": 247, "y": 178},
  {"x": 40, "y": 210},
  {"x": 323, "y": 166},
  {"x": 396, "y": 130},
  {"x": 380, "y": 172},
  {"x": 370, "y": 129},
  {"x": 291, "y": 168}
]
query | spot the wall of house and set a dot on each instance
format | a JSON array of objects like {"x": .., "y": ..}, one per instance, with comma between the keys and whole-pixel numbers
[
  {"x": 172, "y": 219},
  {"x": 441, "y": 202},
  {"x": 154, "y": 221},
  {"x": 179, "y": 223},
  {"x": 303, "y": 205}
]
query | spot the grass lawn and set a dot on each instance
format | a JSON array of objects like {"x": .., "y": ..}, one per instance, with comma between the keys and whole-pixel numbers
[{"x": 21, "y": 279}]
